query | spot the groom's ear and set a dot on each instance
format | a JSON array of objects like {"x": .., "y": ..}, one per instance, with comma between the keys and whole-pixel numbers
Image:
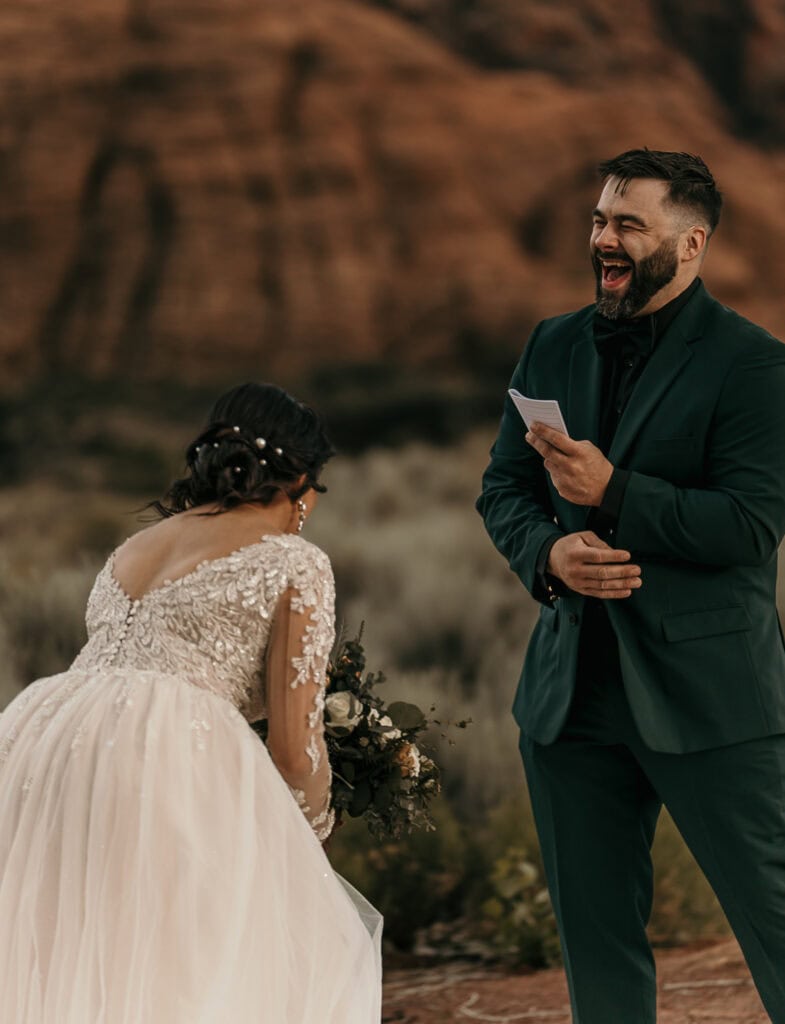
[{"x": 693, "y": 242}]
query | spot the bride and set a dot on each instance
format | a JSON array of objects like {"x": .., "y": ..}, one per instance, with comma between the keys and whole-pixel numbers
[{"x": 157, "y": 864}]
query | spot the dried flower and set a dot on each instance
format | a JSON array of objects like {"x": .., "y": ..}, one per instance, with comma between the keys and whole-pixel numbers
[{"x": 408, "y": 760}]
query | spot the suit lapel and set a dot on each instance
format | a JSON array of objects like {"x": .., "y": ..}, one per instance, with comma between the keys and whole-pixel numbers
[
  {"x": 584, "y": 388},
  {"x": 670, "y": 356}
]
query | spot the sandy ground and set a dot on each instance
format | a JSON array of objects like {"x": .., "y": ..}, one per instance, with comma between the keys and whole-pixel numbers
[{"x": 710, "y": 984}]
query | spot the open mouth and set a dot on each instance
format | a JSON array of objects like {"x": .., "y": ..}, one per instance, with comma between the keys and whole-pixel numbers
[{"x": 615, "y": 273}]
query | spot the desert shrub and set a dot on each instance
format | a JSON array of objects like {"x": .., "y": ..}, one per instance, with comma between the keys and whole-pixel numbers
[
  {"x": 42, "y": 622},
  {"x": 411, "y": 557},
  {"x": 467, "y": 889},
  {"x": 520, "y": 911},
  {"x": 117, "y": 435},
  {"x": 507, "y": 910},
  {"x": 415, "y": 881}
]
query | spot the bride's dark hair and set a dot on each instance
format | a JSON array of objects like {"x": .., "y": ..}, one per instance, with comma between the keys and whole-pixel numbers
[{"x": 258, "y": 442}]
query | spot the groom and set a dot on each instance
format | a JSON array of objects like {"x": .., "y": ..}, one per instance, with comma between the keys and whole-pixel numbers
[{"x": 656, "y": 672}]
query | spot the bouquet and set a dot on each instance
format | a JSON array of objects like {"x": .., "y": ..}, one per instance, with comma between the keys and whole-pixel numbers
[{"x": 380, "y": 771}]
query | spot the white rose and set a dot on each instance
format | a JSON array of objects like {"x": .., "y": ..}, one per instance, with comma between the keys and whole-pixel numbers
[
  {"x": 389, "y": 731},
  {"x": 343, "y": 709}
]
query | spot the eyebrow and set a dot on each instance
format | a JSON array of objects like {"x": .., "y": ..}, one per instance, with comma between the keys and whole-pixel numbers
[{"x": 630, "y": 217}]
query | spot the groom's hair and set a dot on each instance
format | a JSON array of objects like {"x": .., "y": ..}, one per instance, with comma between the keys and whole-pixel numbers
[{"x": 691, "y": 185}]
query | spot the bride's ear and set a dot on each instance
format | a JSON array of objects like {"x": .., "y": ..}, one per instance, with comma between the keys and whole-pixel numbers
[{"x": 309, "y": 495}]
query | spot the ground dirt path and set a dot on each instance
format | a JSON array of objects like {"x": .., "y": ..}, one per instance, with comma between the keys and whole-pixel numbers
[{"x": 706, "y": 985}]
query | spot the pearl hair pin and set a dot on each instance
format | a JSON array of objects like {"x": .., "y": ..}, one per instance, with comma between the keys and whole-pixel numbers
[{"x": 260, "y": 442}]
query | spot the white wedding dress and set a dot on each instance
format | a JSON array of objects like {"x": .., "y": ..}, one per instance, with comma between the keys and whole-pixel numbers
[{"x": 156, "y": 867}]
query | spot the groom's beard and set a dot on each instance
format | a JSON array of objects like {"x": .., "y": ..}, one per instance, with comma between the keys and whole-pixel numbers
[{"x": 648, "y": 276}]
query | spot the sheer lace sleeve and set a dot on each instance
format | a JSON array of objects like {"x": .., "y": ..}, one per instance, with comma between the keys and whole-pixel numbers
[{"x": 300, "y": 640}]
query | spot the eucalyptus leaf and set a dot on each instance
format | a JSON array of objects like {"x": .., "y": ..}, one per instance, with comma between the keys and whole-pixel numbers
[{"x": 406, "y": 716}]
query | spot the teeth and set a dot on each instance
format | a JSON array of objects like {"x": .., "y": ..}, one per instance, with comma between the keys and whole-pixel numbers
[
  {"x": 620, "y": 268},
  {"x": 614, "y": 270}
]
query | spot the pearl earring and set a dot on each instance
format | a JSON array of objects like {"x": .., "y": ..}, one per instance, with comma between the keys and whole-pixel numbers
[{"x": 302, "y": 508}]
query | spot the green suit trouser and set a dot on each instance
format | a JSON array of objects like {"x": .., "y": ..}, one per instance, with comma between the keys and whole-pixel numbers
[{"x": 596, "y": 794}]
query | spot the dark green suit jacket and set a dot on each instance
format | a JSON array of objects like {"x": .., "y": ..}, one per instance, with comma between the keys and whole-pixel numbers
[{"x": 703, "y": 435}]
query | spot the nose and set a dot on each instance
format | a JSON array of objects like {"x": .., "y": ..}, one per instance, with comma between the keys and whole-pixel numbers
[{"x": 606, "y": 237}]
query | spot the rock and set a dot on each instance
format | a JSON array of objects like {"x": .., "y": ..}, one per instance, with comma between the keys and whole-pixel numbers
[
  {"x": 196, "y": 190},
  {"x": 707, "y": 983}
]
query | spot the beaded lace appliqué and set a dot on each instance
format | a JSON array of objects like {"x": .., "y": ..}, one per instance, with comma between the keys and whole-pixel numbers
[
  {"x": 210, "y": 627},
  {"x": 215, "y": 621}
]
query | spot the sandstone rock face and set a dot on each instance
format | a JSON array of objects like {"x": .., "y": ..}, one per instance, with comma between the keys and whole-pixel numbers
[
  {"x": 194, "y": 189},
  {"x": 736, "y": 45}
]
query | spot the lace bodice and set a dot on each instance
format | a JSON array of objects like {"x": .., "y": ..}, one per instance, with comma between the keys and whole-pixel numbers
[{"x": 254, "y": 627}]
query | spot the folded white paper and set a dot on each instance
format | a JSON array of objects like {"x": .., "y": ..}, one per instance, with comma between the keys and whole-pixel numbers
[{"x": 538, "y": 410}]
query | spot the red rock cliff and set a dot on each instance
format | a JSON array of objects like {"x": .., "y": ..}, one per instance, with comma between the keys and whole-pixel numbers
[{"x": 189, "y": 186}]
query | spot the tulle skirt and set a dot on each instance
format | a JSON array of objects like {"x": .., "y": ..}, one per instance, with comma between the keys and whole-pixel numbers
[{"x": 155, "y": 869}]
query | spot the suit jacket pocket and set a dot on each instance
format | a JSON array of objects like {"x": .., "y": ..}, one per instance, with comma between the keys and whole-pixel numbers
[{"x": 711, "y": 622}]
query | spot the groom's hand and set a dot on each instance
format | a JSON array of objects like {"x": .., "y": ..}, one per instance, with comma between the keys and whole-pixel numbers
[
  {"x": 589, "y": 566},
  {"x": 578, "y": 469}
]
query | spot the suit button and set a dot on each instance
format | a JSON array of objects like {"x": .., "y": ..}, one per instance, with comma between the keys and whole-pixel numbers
[{"x": 573, "y": 620}]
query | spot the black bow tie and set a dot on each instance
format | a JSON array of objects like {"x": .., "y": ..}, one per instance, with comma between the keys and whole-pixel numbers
[{"x": 613, "y": 337}]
